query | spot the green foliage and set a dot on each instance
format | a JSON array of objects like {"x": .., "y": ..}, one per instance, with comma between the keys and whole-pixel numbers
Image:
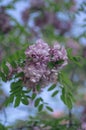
[
  {"x": 52, "y": 64},
  {"x": 4, "y": 71},
  {"x": 38, "y": 87},
  {"x": 54, "y": 93},
  {"x": 51, "y": 87},
  {"x": 25, "y": 101},
  {"x": 74, "y": 59},
  {"x": 37, "y": 102},
  {"x": 33, "y": 96},
  {"x": 49, "y": 108},
  {"x": 51, "y": 123},
  {"x": 66, "y": 98},
  {"x": 2, "y": 75},
  {"x": 17, "y": 94},
  {"x": 40, "y": 107},
  {"x": 66, "y": 85},
  {"x": 2, "y": 127}
]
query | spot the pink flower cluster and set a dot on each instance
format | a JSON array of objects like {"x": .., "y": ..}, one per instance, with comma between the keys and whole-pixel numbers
[
  {"x": 38, "y": 52},
  {"x": 43, "y": 63}
]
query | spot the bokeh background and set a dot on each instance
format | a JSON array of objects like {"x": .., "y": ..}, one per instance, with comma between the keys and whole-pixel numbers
[{"x": 22, "y": 22}]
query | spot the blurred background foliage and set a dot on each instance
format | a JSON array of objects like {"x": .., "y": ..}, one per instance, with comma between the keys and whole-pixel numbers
[{"x": 52, "y": 21}]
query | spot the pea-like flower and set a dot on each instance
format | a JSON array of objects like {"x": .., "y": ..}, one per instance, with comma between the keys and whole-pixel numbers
[{"x": 42, "y": 64}]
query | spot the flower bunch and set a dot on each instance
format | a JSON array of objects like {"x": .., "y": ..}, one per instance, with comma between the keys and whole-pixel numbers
[{"x": 42, "y": 64}]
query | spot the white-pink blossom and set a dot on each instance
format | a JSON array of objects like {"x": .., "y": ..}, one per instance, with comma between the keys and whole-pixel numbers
[
  {"x": 42, "y": 64},
  {"x": 38, "y": 52},
  {"x": 39, "y": 56}
]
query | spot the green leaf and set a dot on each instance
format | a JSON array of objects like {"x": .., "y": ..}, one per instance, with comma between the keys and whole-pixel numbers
[
  {"x": 71, "y": 96},
  {"x": 75, "y": 59},
  {"x": 69, "y": 53},
  {"x": 19, "y": 82},
  {"x": 16, "y": 91},
  {"x": 40, "y": 107},
  {"x": 64, "y": 80},
  {"x": 27, "y": 91},
  {"x": 13, "y": 63},
  {"x": 37, "y": 101},
  {"x": 38, "y": 88},
  {"x": 63, "y": 96},
  {"x": 21, "y": 74},
  {"x": 54, "y": 93},
  {"x": 11, "y": 98},
  {"x": 2, "y": 75},
  {"x": 2, "y": 127},
  {"x": 5, "y": 69},
  {"x": 17, "y": 101},
  {"x": 7, "y": 102},
  {"x": 69, "y": 102},
  {"x": 15, "y": 86},
  {"x": 25, "y": 101},
  {"x": 59, "y": 62},
  {"x": 49, "y": 108},
  {"x": 33, "y": 96},
  {"x": 50, "y": 65},
  {"x": 66, "y": 98},
  {"x": 51, "y": 87},
  {"x": 63, "y": 99},
  {"x": 41, "y": 99}
]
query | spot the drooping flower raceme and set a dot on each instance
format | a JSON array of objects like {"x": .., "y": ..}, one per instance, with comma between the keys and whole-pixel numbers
[{"x": 42, "y": 64}]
